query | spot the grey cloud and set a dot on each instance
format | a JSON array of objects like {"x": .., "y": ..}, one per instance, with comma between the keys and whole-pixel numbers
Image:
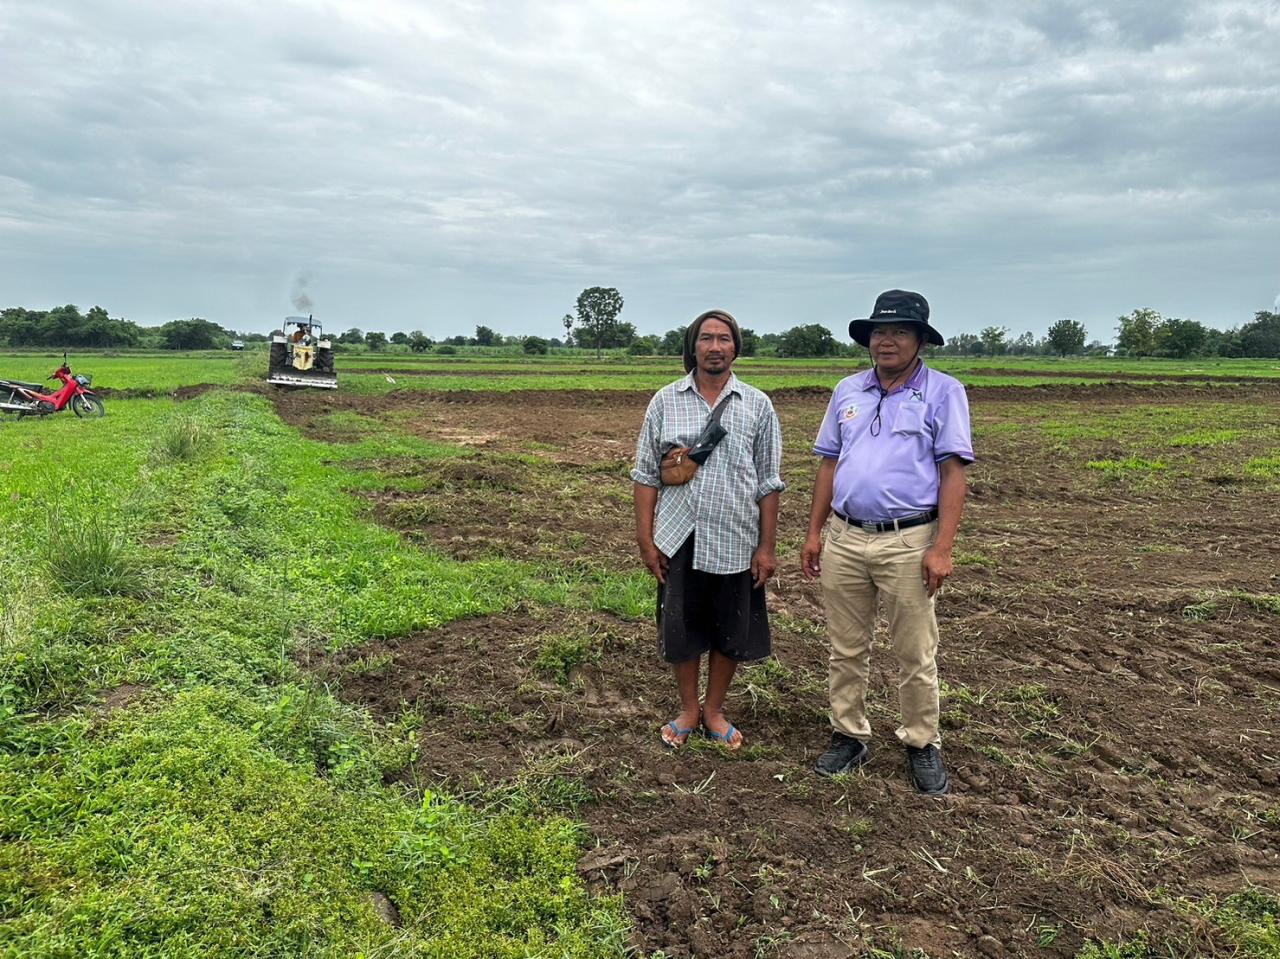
[{"x": 498, "y": 157}]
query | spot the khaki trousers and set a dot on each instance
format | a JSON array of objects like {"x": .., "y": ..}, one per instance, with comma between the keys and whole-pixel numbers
[{"x": 857, "y": 569}]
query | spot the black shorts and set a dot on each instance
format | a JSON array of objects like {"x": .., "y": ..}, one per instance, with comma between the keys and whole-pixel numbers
[{"x": 700, "y": 611}]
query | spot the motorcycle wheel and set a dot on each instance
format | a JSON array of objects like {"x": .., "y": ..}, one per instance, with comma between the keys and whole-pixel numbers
[{"x": 87, "y": 406}]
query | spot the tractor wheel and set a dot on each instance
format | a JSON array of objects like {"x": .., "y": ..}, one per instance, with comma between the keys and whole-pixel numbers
[
  {"x": 324, "y": 361},
  {"x": 278, "y": 356}
]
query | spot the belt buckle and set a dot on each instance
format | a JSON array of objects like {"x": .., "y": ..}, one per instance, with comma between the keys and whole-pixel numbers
[{"x": 869, "y": 527}]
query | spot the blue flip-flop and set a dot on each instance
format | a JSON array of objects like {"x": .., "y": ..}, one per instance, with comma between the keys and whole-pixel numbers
[
  {"x": 723, "y": 738},
  {"x": 676, "y": 730}
]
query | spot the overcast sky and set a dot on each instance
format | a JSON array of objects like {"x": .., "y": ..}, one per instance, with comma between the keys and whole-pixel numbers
[{"x": 434, "y": 165}]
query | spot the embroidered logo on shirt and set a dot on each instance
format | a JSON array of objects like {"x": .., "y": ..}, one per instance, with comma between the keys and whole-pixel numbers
[
  {"x": 849, "y": 413},
  {"x": 917, "y": 396}
]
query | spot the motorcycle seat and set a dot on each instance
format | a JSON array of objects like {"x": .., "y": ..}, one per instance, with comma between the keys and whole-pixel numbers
[{"x": 25, "y": 386}]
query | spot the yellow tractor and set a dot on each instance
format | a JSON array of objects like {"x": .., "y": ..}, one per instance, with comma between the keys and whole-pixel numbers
[{"x": 301, "y": 356}]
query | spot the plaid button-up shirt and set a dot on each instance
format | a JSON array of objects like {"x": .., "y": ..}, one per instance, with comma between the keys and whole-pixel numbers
[{"x": 720, "y": 503}]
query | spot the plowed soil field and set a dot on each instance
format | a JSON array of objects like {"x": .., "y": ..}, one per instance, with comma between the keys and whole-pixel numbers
[{"x": 1110, "y": 658}]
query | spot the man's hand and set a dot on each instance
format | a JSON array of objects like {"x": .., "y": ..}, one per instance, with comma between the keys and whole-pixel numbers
[
  {"x": 811, "y": 557},
  {"x": 654, "y": 560},
  {"x": 764, "y": 563},
  {"x": 935, "y": 568}
]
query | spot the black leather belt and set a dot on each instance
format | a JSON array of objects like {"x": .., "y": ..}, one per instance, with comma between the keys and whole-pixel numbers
[{"x": 918, "y": 520}]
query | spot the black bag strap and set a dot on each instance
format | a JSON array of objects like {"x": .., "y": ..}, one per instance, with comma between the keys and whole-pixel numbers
[{"x": 719, "y": 411}]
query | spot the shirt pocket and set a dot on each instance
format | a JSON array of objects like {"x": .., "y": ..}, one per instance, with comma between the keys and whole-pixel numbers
[
  {"x": 738, "y": 449},
  {"x": 910, "y": 419}
]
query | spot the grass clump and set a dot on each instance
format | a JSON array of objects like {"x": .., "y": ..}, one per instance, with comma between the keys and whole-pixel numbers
[
  {"x": 1263, "y": 602},
  {"x": 183, "y": 439},
  {"x": 89, "y": 557},
  {"x": 974, "y": 558},
  {"x": 1129, "y": 466},
  {"x": 1205, "y": 438},
  {"x": 1250, "y": 920},
  {"x": 1030, "y": 704},
  {"x": 560, "y": 654},
  {"x": 1245, "y": 924},
  {"x": 1264, "y": 467},
  {"x": 1137, "y": 947},
  {"x": 1199, "y": 612}
]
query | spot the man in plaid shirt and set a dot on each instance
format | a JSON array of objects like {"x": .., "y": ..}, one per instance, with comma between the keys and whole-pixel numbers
[{"x": 711, "y": 542}]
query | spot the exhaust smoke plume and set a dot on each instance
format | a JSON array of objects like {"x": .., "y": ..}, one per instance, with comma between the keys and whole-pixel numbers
[{"x": 301, "y": 302}]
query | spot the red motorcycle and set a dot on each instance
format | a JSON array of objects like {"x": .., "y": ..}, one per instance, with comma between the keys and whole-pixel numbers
[{"x": 31, "y": 399}]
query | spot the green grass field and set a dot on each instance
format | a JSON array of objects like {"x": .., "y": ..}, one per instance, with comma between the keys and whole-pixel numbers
[
  {"x": 174, "y": 561},
  {"x": 166, "y": 372}
]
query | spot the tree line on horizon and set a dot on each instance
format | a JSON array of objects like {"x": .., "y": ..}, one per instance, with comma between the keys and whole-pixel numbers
[{"x": 595, "y": 326}]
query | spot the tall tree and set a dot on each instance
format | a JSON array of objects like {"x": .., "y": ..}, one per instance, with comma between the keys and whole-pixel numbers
[
  {"x": 962, "y": 344},
  {"x": 486, "y": 336},
  {"x": 598, "y": 309},
  {"x": 1024, "y": 344},
  {"x": 672, "y": 343},
  {"x": 1136, "y": 334},
  {"x": 375, "y": 340},
  {"x": 1066, "y": 337},
  {"x": 993, "y": 339},
  {"x": 192, "y": 334},
  {"x": 1262, "y": 336},
  {"x": 1180, "y": 338},
  {"x": 811, "y": 339}
]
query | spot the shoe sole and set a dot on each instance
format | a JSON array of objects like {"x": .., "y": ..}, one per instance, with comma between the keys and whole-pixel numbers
[{"x": 946, "y": 788}]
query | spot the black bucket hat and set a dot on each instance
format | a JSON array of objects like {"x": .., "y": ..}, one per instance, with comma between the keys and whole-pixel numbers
[
  {"x": 691, "y": 335},
  {"x": 896, "y": 306}
]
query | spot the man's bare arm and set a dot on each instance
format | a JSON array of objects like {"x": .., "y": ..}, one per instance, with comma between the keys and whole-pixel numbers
[
  {"x": 952, "y": 489},
  {"x": 819, "y": 510},
  {"x": 646, "y": 502},
  {"x": 764, "y": 563}
]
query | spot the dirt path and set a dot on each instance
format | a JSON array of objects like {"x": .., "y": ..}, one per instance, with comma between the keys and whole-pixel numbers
[{"x": 1109, "y": 652}]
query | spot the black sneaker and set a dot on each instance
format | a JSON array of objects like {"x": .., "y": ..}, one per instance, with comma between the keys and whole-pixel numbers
[
  {"x": 928, "y": 772},
  {"x": 843, "y": 754}
]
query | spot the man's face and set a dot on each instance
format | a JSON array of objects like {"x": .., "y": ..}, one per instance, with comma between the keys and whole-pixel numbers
[
  {"x": 713, "y": 349},
  {"x": 894, "y": 345}
]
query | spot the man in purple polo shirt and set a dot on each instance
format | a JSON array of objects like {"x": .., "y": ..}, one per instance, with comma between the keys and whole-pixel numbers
[{"x": 893, "y": 446}]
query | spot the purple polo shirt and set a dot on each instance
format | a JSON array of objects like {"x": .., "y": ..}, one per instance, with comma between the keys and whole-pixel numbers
[{"x": 894, "y": 474}]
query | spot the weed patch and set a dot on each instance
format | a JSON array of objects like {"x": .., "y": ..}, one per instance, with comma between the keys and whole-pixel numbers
[
  {"x": 1205, "y": 438},
  {"x": 182, "y": 439},
  {"x": 1263, "y": 467},
  {"x": 561, "y": 653},
  {"x": 974, "y": 558},
  {"x": 90, "y": 557},
  {"x": 1129, "y": 466}
]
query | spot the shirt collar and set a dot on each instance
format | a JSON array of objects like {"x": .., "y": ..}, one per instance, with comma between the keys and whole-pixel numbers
[
  {"x": 730, "y": 386},
  {"x": 871, "y": 382}
]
